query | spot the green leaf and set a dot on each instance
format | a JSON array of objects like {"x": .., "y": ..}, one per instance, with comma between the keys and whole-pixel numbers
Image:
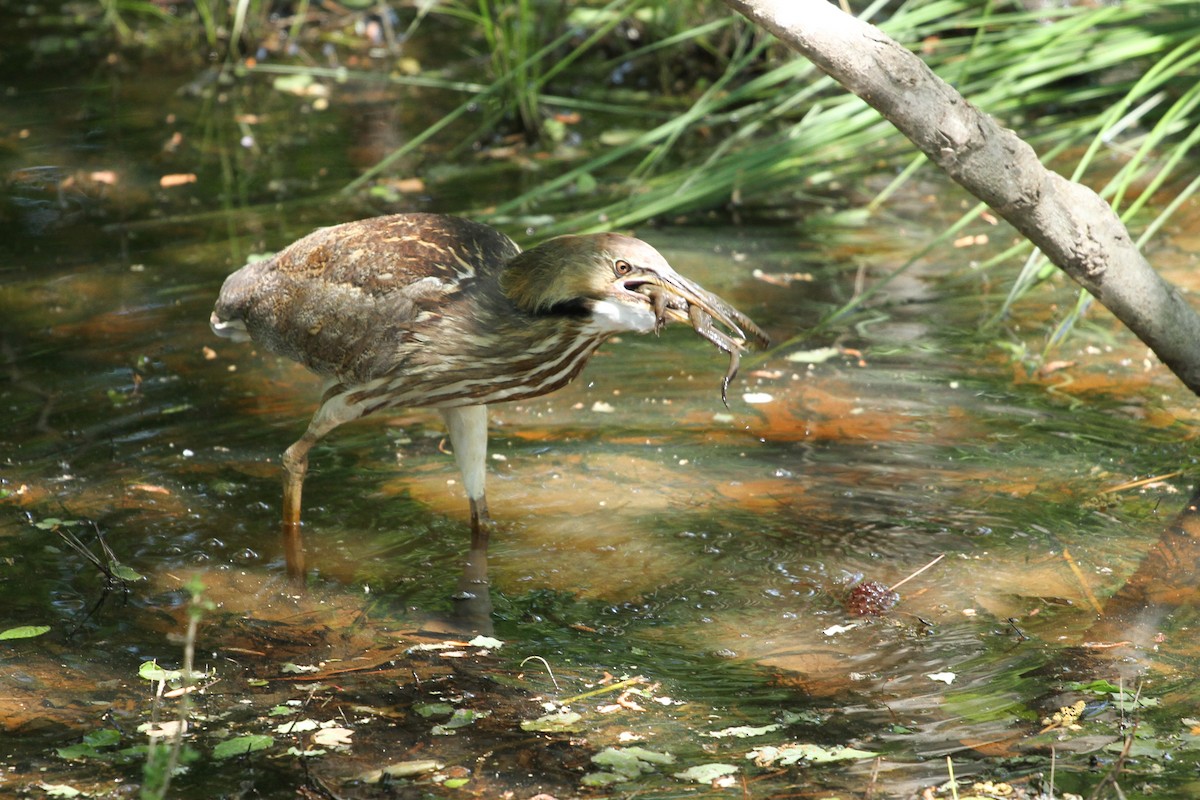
[
  {"x": 24, "y": 632},
  {"x": 456, "y": 783},
  {"x": 788, "y": 754},
  {"x": 151, "y": 671},
  {"x": 77, "y": 752},
  {"x": 744, "y": 731},
  {"x": 240, "y": 745},
  {"x": 555, "y": 722},
  {"x": 127, "y": 573},
  {"x": 602, "y": 778},
  {"x": 1094, "y": 687},
  {"x": 298, "y": 669},
  {"x": 402, "y": 769},
  {"x": 706, "y": 773},
  {"x": 105, "y": 737},
  {"x": 630, "y": 762},
  {"x": 433, "y": 709},
  {"x": 461, "y": 718}
]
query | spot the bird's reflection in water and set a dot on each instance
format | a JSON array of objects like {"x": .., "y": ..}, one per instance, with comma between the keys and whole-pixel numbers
[
  {"x": 1159, "y": 598},
  {"x": 472, "y": 611}
]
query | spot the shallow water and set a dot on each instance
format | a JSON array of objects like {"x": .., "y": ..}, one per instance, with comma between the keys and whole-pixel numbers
[{"x": 643, "y": 527}]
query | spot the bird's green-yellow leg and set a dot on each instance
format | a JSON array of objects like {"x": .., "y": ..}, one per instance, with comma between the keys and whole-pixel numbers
[
  {"x": 468, "y": 437},
  {"x": 333, "y": 412},
  {"x": 295, "y": 465}
]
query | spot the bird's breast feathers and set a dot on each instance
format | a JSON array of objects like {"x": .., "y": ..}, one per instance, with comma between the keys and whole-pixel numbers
[{"x": 612, "y": 317}]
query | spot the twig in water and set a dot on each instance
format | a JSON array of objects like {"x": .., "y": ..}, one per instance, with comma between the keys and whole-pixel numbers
[
  {"x": 896, "y": 586},
  {"x": 953, "y": 780},
  {"x": 1135, "y": 484},
  {"x": 545, "y": 664},
  {"x": 612, "y": 687}
]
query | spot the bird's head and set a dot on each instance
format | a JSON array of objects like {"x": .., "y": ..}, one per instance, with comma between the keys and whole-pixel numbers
[{"x": 621, "y": 283}]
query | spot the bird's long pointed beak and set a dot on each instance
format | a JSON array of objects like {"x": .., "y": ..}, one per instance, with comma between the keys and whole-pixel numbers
[{"x": 676, "y": 298}]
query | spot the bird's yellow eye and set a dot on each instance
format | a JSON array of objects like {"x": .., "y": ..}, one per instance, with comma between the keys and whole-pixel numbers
[{"x": 622, "y": 267}]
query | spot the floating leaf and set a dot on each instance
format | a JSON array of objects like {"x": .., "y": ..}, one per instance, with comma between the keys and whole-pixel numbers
[
  {"x": 744, "y": 731},
  {"x": 433, "y": 709},
  {"x": 50, "y": 523},
  {"x": 488, "y": 642},
  {"x": 298, "y": 669},
  {"x": 807, "y": 717},
  {"x": 456, "y": 783},
  {"x": 630, "y": 762},
  {"x": 1095, "y": 687},
  {"x": 706, "y": 773},
  {"x": 788, "y": 754},
  {"x": 817, "y": 356},
  {"x": 151, "y": 671},
  {"x": 402, "y": 769},
  {"x": 164, "y": 729},
  {"x": 24, "y": 632},
  {"x": 59, "y": 790},
  {"x": 240, "y": 745},
  {"x": 310, "y": 752},
  {"x": 298, "y": 726},
  {"x": 333, "y": 737},
  {"x": 461, "y": 718},
  {"x": 1124, "y": 701},
  {"x": 78, "y": 752},
  {"x": 598, "y": 779},
  {"x": 555, "y": 722},
  {"x": 105, "y": 737},
  {"x": 127, "y": 573}
]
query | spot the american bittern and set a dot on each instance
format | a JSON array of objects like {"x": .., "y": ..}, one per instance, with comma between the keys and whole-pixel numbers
[{"x": 438, "y": 311}]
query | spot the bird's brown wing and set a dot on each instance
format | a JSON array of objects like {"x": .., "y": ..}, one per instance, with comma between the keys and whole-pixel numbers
[{"x": 345, "y": 300}]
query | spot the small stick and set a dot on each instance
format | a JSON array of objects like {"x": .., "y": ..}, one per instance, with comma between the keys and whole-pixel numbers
[
  {"x": 612, "y": 687},
  {"x": 896, "y": 586},
  {"x": 1134, "y": 484}
]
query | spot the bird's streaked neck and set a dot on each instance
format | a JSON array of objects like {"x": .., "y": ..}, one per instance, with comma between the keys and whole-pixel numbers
[{"x": 611, "y": 317}]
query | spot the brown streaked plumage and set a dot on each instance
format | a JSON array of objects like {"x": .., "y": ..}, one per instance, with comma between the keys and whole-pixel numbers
[{"x": 438, "y": 311}]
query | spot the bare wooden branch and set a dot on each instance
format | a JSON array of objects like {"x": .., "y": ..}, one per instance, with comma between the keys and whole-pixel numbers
[{"x": 1072, "y": 225}]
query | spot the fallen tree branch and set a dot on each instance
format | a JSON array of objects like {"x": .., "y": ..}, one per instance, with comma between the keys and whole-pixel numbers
[{"x": 1071, "y": 224}]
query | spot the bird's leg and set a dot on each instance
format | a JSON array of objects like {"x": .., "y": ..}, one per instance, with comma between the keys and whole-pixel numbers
[
  {"x": 295, "y": 465},
  {"x": 468, "y": 437},
  {"x": 333, "y": 412},
  {"x": 481, "y": 523}
]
